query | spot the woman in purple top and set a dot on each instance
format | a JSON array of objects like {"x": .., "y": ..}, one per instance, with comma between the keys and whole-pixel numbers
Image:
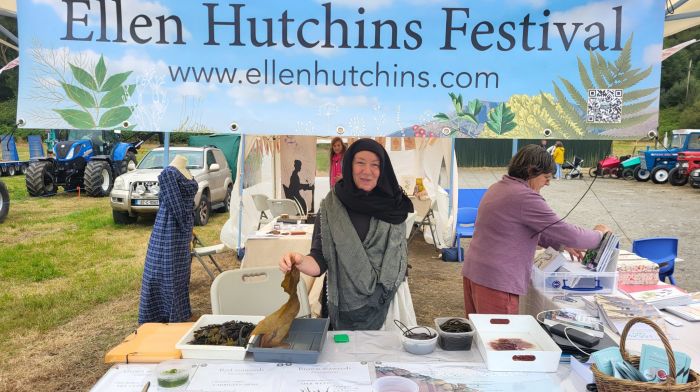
[{"x": 513, "y": 220}]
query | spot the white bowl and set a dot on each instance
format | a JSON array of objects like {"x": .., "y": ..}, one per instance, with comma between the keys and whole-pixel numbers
[
  {"x": 420, "y": 347},
  {"x": 394, "y": 384}
]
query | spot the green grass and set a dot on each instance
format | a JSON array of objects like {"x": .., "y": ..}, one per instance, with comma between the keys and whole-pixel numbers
[{"x": 62, "y": 256}]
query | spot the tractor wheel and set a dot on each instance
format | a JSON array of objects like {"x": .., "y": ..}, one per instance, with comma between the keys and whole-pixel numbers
[
  {"x": 22, "y": 169},
  {"x": 628, "y": 174},
  {"x": 659, "y": 175},
  {"x": 676, "y": 178},
  {"x": 123, "y": 166},
  {"x": 98, "y": 178},
  {"x": 593, "y": 172},
  {"x": 4, "y": 202},
  {"x": 227, "y": 200},
  {"x": 11, "y": 171},
  {"x": 641, "y": 175},
  {"x": 123, "y": 218},
  {"x": 39, "y": 180},
  {"x": 201, "y": 213}
]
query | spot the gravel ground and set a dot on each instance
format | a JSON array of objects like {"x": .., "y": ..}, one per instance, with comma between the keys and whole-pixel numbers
[{"x": 632, "y": 209}]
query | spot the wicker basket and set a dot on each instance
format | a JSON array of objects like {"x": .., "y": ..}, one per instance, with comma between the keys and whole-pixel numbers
[{"x": 607, "y": 383}]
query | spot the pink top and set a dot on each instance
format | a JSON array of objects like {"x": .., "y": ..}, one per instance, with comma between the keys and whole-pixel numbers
[
  {"x": 336, "y": 168},
  {"x": 501, "y": 252}
]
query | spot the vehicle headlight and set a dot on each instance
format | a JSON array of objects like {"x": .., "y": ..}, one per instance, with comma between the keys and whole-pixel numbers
[
  {"x": 155, "y": 189},
  {"x": 140, "y": 189},
  {"x": 120, "y": 184},
  {"x": 684, "y": 164}
]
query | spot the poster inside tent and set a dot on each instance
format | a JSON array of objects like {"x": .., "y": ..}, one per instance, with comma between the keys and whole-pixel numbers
[{"x": 443, "y": 68}]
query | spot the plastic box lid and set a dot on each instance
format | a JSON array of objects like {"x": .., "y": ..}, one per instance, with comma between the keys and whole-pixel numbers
[{"x": 306, "y": 339}]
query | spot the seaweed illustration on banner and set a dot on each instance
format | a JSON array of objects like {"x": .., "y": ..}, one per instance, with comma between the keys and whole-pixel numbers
[
  {"x": 569, "y": 113},
  {"x": 465, "y": 119},
  {"x": 98, "y": 99},
  {"x": 426, "y": 383},
  {"x": 501, "y": 119}
]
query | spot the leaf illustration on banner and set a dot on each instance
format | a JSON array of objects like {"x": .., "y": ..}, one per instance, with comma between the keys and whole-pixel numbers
[
  {"x": 76, "y": 118},
  {"x": 115, "y": 81},
  {"x": 117, "y": 96},
  {"x": 78, "y": 95},
  {"x": 568, "y": 113},
  {"x": 501, "y": 119},
  {"x": 92, "y": 90},
  {"x": 463, "y": 114},
  {"x": 100, "y": 71},
  {"x": 83, "y": 77},
  {"x": 116, "y": 116}
]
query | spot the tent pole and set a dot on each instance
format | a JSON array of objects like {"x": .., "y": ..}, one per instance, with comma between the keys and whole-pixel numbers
[
  {"x": 452, "y": 173},
  {"x": 241, "y": 171},
  {"x": 166, "y": 149}
]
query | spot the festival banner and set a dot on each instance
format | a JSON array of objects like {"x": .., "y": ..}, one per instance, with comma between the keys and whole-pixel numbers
[{"x": 443, "y": 68}]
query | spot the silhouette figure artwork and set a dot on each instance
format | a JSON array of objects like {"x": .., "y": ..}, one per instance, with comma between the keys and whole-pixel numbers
[{"x": 293, "y": 191}]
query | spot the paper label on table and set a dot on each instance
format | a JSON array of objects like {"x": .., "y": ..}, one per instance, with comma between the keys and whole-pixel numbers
[
  {"x": 327, "y": 377},
  {"x": 467, "y": 377},
  {"x": 239, "y": 377},
  {"x": 125, "y": 378},
  {"x": 641, "y": 331}
]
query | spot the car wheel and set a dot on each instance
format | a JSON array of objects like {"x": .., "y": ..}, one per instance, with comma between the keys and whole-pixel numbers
[
  {"x": 227, "y": 200},
  {"x": 201, "y": 213},
  {"x": 659, "y": 175},
  {"x": 123, "y": 218}
]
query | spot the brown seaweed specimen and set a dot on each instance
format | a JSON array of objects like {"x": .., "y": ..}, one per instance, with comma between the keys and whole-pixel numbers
[
  {"x": 510, "y": 344},
  {"x": 274, "y": 328}
]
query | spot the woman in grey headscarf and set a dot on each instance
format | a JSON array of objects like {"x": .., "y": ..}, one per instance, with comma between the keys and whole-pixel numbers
[{"x": 360, "y": 239}]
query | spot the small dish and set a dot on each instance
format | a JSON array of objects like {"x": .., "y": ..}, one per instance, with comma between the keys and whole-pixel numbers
[
  {"x": 394, "y": 384},
  {"x": 419, "y": 346},
  {"x": 173, "y": 375}
]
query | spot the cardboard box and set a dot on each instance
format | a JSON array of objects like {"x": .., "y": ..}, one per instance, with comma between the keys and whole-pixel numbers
[
  {"x": 542, "y": 356},
  {"x": 200, "y": 351}
]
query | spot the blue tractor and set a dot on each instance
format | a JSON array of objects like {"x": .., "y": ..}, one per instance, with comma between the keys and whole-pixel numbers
[
  {"x": 656, "y": 164},
  {"x": 90, "y": 160}
]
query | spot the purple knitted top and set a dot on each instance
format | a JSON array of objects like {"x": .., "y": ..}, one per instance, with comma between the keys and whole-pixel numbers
[{"x": 501, "y": 252}]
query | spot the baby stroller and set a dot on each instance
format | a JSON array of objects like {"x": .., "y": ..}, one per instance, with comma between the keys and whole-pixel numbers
[{"x": 574, "y": 168}]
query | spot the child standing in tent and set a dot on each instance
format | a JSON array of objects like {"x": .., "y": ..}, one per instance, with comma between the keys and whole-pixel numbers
[
  {"x": 558, "y": 156},
  {"x": 336, "y": 160}
]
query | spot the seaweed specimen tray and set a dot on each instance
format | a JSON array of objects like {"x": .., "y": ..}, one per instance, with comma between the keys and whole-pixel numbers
[
  {"x": 304, "y": 343},
  {"x": 515, "y": 343},
  {"x": 201, "y": 351}
]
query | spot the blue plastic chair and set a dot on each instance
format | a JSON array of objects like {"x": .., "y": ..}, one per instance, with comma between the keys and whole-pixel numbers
[
  {"x": 470, "y": 197},
  {"x": 466, "y": 217},
  {"x": 662, "y": 250}
]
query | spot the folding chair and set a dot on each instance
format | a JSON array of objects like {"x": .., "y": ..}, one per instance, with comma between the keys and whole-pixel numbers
[
  {"x": 427, "y": 219},
  {"x": 284, "y": 206},
  {"x": 261, "y": 205},
  {"x": 254, "y": 291},
  {"x": 662, "y": 250},
  {"x": 470, "y": 197},
  {"x": 466, "y": 217},
  {"x": 200, "y": 251}
]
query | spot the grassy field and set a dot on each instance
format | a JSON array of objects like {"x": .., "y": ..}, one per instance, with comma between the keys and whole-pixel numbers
[{"x": 62, "y": 257}]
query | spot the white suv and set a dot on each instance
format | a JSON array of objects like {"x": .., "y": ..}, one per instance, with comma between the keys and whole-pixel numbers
[{"x": 136, "y": 192}]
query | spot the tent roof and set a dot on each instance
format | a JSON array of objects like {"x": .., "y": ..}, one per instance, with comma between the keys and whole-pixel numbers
[
  {"x": 8, "y": 8},
  {"x": 686, "y": 14}
]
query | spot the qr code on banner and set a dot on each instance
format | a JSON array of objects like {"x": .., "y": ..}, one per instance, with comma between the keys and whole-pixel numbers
[{"x": 604, "y": 106}]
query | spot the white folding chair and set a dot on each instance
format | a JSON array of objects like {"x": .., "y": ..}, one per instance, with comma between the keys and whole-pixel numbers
[
  {"x": 200, "y": 251},
  {"x": 261, "y": 205},
  {"x": 284, "y": 206},
  {"x": 253, "y": 291}
]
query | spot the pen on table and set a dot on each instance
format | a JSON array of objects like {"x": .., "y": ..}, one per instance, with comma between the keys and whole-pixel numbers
[{"x": 145, "y": 386}]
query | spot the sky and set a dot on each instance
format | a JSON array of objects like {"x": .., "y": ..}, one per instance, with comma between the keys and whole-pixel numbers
[{"x": 317, "y": 108}]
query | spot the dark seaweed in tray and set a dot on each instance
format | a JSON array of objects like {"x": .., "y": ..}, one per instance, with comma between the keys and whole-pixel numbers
[{"x": 230, "y": 333}]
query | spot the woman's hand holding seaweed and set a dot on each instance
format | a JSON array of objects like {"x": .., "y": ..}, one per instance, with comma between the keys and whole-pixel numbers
[{"x": 289, "y": 260}]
